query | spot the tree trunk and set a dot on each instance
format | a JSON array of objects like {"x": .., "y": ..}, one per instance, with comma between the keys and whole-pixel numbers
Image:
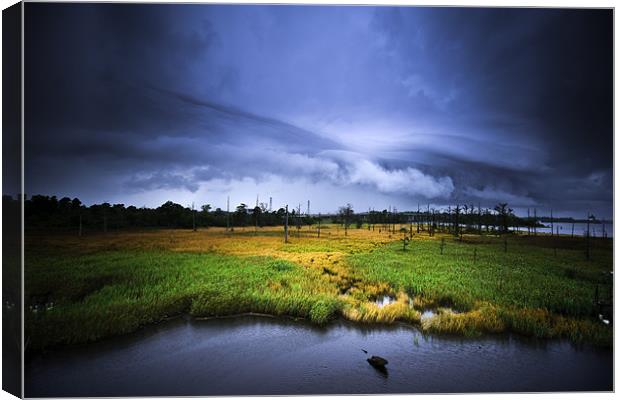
[{"x": 286, "y": 226}]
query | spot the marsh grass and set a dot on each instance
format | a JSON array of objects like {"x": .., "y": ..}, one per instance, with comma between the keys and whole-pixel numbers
[
  {"x": 111, "y": 284},
  {"x": 526, "y": 290},
  {"x": 113, "y": 292}
]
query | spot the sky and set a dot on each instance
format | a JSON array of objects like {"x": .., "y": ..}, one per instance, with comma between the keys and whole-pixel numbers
[{"x": 374, "y": 106}]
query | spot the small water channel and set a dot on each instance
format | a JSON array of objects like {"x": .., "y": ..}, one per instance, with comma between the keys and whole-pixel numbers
[{"x": 268, "y": 356}]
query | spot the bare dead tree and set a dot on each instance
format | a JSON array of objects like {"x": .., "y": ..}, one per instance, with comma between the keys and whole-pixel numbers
[
  {"x": 298, "y": 219},
  {"x": 428, "y": 219},
  {"x": 590, "y": 218},
  {"x": 465, "y": 209},
  {"x": 394, "y": 216},
  {"x": 528, "y": 222},
  {"x": 286, "y": 225},
  {"x": 457, "y": 211},
  {"x": 551, "y": 222},
  {"x": 418, "y": 218}
]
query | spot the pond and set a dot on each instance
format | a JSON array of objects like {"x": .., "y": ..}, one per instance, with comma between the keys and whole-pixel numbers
[{"x": 269, "y": 356}]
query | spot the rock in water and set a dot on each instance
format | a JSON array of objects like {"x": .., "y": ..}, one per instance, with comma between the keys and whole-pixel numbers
[{"x": 377, "y": 362}]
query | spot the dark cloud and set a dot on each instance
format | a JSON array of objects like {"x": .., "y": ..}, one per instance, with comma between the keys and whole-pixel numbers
[
  {"x": 408, "y": 104},
  {"x": 160, "y": 180}
]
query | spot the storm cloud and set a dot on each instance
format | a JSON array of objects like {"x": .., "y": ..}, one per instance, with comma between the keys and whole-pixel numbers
[{"x": 376, "y": 106}]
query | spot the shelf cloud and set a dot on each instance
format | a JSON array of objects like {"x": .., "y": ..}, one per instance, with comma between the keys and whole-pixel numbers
[{"x": 380, "y": 106}]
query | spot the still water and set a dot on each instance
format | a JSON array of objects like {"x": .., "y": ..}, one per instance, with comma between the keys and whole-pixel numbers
[
  {"x": 577, "y": 229},
  {"x": 255, "y": 355}
]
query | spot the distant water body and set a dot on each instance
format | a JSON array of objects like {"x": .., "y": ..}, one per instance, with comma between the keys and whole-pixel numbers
[{"x": 579, "y": 229}]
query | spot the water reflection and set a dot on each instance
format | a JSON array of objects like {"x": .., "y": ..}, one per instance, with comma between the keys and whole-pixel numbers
[
  {"x": 384, "y": 300},
  {"x": 269, "y": 356}
]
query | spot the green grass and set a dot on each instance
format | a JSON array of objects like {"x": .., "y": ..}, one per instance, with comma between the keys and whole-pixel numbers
[
  {"x": 531, "y": 289},
  {"x": 113, "y": 292}
]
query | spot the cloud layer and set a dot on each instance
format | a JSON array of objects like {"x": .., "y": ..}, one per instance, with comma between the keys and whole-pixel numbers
[{"x": 380, "y": 106}]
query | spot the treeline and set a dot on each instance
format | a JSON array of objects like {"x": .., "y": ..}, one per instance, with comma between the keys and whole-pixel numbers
[
  {"x": 50, "y": 212},
  {"x": 456, "y": 219}
]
